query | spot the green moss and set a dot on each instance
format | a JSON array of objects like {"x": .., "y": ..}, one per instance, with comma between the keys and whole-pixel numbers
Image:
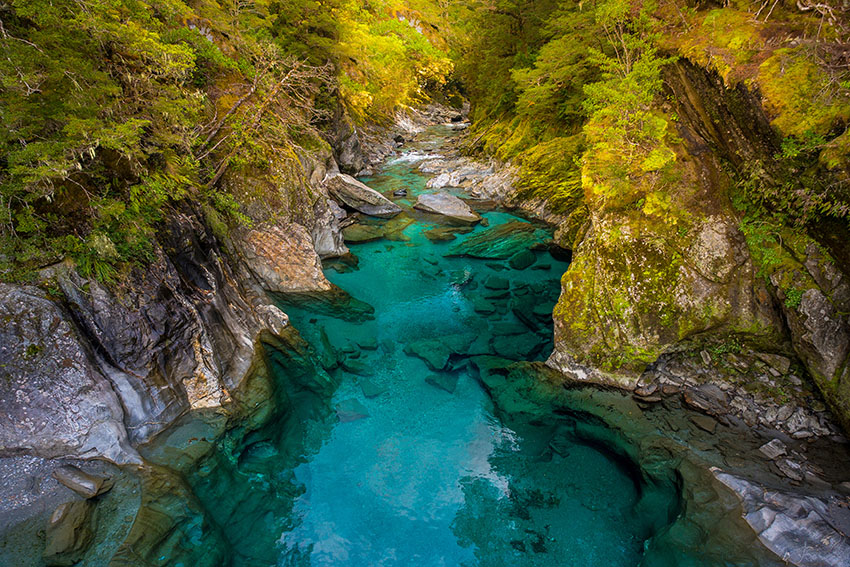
[
  {"x": 32, "y": 351},
  {"x": 802, "y": 96},
  {"x": 549, "y": 171},
  {"x": 722, "y": 39}
]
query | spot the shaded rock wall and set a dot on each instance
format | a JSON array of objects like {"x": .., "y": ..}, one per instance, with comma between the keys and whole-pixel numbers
[{"x": 55, "y": 399}]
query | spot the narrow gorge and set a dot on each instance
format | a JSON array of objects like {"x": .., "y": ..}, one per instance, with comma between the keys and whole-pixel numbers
[{"x": 422, "y": 283}]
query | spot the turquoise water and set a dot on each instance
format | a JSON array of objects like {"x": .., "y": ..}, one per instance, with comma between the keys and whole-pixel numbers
[
  {"x": 402, "y": 425},
  {"x": 416, "y": 468}
]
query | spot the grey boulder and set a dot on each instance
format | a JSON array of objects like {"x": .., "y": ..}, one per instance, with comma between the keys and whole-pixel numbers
[
  {"x": 85, "y": 484},
  {"x": 359, "y": 197},
  {"x": 448, "y": 206}
]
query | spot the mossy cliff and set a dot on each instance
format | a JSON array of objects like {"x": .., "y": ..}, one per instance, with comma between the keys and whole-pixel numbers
[
  {"x": 704, "y": 148},
  {"x": 671, "y": 261}
]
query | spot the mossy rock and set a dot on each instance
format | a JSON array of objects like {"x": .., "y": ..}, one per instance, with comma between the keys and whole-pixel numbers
[{"x": 635, "y": 291}]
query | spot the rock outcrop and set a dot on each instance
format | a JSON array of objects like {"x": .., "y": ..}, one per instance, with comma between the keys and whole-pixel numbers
[
  {"x": 283, "y": 259},
  {"x": 636, "y": 289},
  {"x": 54, "y": 397},
  {"x": 802, "y": 530},
  {"x": 815, "y": 301}
]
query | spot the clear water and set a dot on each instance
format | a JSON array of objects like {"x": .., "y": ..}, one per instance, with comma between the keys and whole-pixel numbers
[
  {"x": 399, "y": 427},
  {"x": 411, "y": 473}
]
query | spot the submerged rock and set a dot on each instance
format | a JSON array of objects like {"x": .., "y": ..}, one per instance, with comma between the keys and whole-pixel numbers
[
  {"x": 351, "y": 410},
  {"x": 334, "y": 303},
  {"x": 448, "y": 206},
  {"x": 443, "y": 381},
  {"x": 372, "y": 389},
  {"x": 368, "y": 232},
  {"x": 500, "y": 242},
  {"x": 436, "y": 352},
  {"x": 359, "y": 197},
  {"x": 432, "y": 351},
  {"x": 359, "y": 233},
  {"x": 497, "y": 283},
  {"x": 481, "y": 305},
  {"x": 522, "y": 260},
  {"x": 517, "y": 347},
  {"x": 445, "y": 233},
  {"x": 358, "y": 367}
]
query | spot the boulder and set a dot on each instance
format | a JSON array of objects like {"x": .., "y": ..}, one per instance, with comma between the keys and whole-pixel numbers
[
  {"x": 629, "y": 295},
  {"x": 359, "y": 197},
  {"x": 85, "y": 484},
  {"x": 326, "y": 233},
  {"x": 283, "y": 257},
  {"x": 447, "y": 206}
]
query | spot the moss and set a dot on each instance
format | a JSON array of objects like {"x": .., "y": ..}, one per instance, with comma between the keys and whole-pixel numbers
[
  {"x": 549, "y": 171},
  {"x": 618, "y": 309},
  {"x": 32, "y": 351},
  {"x": 723, "y": 39},
  {"x": 800, "y": 95},
  {"x": 793, "y": 297}
]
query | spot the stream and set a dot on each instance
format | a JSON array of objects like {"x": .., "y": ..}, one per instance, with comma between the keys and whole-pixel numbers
[
  {"x": 419, "y": 469},
  {"x": 390, "y": 437}
]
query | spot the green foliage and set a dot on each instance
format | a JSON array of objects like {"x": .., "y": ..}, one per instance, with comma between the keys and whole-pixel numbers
[
  {"x": 387, "y": 62},
  {"x": 793, "y": 298},
  {"x": 732, "y": 345},
  {"x": 550, "y": 171},
  {"x": 114, "y": 109},
  {"x": 32, "y": 351},
  {"x": 806, "y": 144}
]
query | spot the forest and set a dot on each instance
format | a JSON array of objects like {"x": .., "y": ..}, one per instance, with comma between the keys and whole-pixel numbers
[{"x": 116, "y": 109}]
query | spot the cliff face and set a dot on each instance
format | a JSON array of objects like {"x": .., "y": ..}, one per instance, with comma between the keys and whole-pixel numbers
[
  {"x": 178, "y": 334},
  {"x": 641, "y": 286}
]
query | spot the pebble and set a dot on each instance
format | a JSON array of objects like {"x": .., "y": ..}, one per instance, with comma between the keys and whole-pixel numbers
[{"x": 773, "y": 449}]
